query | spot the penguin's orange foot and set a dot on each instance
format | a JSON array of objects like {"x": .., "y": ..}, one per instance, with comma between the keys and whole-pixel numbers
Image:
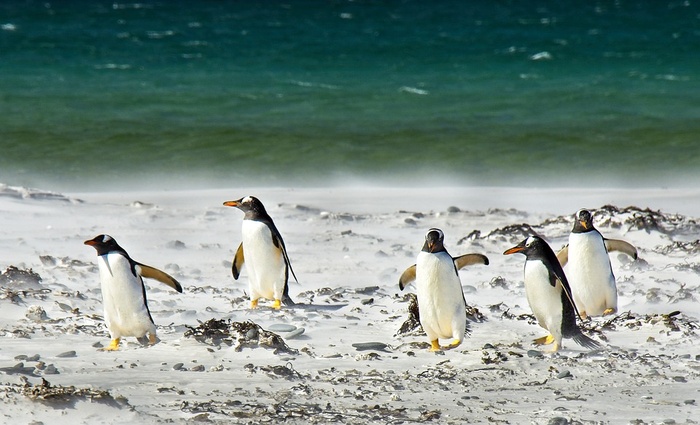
[
  {"x": 555, "y": 348},
  {"x": 113, "y": 346},
  {"x": 152, "y": 339},
  {"x": 545, "y": 340},
  {"x": 435, "y": 346},
  {"x": 253, "y": 303},
  {"x": 277, "y": 304},
  {"x": 609, "y": 311},
  {"x": 583, "y": 315},
  {"x": 454, "y": 344}
]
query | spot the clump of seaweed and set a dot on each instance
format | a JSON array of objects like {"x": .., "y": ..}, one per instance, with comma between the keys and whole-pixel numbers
[
  {"x": 677, "y": 246},
  {"x": 513, "y": 232},
  {"x": 20, "y": 278},
  {"x": 59, "y": 395},
  {"x": 16, "y": 284},
  {"x": 314, "y": 413},
  {"x": 238, "y": 335},
  {"x": 286, "y": 371},
  {"x": 644, "y": 219},
  {"x": 412, "y": 323},
  {"x": 674, "y": 321}
]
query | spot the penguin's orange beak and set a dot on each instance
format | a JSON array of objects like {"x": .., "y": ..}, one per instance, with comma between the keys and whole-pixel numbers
[
  {"x": 231, "y": 204},
  {"x": 583, "y": 223},
  {"x": 513, "y": 250},
  {"x": 91, "y": 242}
]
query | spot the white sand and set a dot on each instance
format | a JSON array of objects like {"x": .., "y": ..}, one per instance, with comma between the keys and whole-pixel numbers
[{"x": 356, "y": 242}]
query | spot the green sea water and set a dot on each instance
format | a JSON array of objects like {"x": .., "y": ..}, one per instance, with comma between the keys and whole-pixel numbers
[{"x": 181, "y": 94}]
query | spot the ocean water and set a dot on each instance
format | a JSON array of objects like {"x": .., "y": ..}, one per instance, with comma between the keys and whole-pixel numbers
[{"x": 185, "y": 93}]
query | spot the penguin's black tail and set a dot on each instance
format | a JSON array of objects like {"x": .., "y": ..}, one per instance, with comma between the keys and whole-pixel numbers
[
  {"x": 585, "y": 341},
  {"x": 286, "y": 300}
]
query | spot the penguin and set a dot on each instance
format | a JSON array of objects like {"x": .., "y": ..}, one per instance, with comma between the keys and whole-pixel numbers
[
  {"x": 123, "y": 292},
  {"x": 441, "y": 303},
  {"x": 589, "y": 269},
  {"x": 549, "y": 294},
  {"x": 264, "y": 253}
]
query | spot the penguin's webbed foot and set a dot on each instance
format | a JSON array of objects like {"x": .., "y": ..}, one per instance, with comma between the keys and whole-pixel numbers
[
  {"x": 583, "y": 315},
  {"x": 277, "y": 304},
  {"x": 435, "y": 346},
  {"x": 555, "y": 348},
  {"x": 453, "y": 344},
  {"x": 545, "y": 340},
  {"x": 113, "y": 346},
  {"x": 152, "y": 339},
  {"x": 609, "y": 311},
  {"x": 253, "y": 303}
]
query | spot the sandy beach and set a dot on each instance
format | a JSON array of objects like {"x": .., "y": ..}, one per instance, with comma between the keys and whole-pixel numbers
[{"x": 342, "y": 360}]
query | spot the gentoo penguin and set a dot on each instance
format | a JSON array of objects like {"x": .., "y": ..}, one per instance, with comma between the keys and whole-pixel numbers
[
  {"x": 441, "y": 304},
  {"x": 589, "y": 269},
  {"x": 549, "y": 295},
  {"x": 123, "y": 292},
  {"x": 264, "y": 254}
]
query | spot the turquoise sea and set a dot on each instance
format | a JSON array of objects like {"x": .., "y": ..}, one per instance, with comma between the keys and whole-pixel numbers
[{"x": 185, "y": 93}]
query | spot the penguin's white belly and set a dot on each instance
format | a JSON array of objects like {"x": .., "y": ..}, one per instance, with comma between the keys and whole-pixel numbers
[
  {"x": 263, "y": 260},
  {"x": 590, "y": 275},
  {"x": 544, "y": 299},
  {"x": 125, "y": 309},
  {"x": 440, "y": 299}
]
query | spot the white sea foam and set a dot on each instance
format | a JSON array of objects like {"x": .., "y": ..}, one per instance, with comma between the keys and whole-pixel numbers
[{"x": 414, "y": 90}]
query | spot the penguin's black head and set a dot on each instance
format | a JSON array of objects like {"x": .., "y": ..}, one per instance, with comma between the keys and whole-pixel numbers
[
  {"x": 583, "y": 221},
  {"x": 103, "y": 244},
  {"x": 434, "y": 241},
  {"x": 250, "y": 205},
  {"x": 533, "y": 246}
]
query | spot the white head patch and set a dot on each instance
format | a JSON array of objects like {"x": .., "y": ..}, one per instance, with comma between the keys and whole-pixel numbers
[
  {"x": 106, "y": 238},
  {"x": 438, "y": 231}
]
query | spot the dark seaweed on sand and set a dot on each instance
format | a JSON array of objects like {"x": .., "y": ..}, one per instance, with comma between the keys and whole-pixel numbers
[
  {"x": 286, "y": 371},
  {"x": 15, "y": 276},
  {"x": 16, "y": 283},
  {"x": 513, "y": 232},
  {"x": 674, "y": 322},
  {"x": 646, "y": 219},
  {"x": 681, "y": 247},
  {"x": 310, "y": 412},
  {"x": 238, "y": 334},
  {"x": 62, "y": 396},
  {"x": 213, "y": 331}
]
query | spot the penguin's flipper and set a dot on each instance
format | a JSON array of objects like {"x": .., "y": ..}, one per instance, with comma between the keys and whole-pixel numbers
[
  {"x": 408, "y": 276},
  {"x": 622, "y": 246},
  {"x": 160, "y": 276},
  {"x": 563, "y": 255},
  {"x": 469, "y": 259},
  {"x": 237, "y": 264}
]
